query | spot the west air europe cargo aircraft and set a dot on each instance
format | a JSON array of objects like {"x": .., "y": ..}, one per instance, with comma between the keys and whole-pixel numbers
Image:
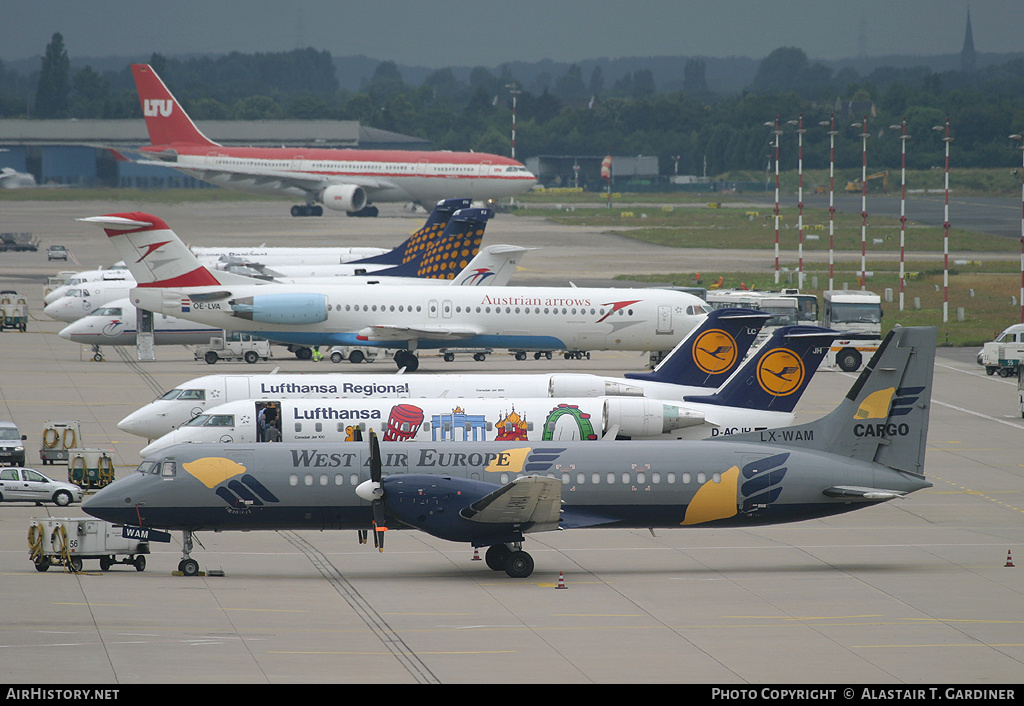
[
  {"x": 761, "y": 395},
  {"x": 172, "y": 281},
  {"x": 699, "y": 365},
  {"x": 869, "y": 450},
  {"x": 340, "y": 179}
]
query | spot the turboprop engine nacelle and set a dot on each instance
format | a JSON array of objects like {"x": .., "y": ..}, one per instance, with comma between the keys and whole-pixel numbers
[
  {"x": 589, "y": 386},
  {"x": 288, "y": 309},
  {"x": 344, "y": 197},
  {"x": 646, "y": 417}
]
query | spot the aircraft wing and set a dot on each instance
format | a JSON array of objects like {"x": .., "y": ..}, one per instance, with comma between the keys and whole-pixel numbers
[
  {"x": 530, "y": 500},
  {"x": 388, "y": 332},
  {"x": 273, "y": 177}
]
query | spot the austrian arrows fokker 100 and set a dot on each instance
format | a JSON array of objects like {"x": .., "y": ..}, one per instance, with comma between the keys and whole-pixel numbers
[
  {"x": 699, "y": 365},
  {"x": 116, "y": 323},
  {"x": 340, "y": 179},
  {"x": 868, "y": 450},
  {"x": 172, "y": 281}
]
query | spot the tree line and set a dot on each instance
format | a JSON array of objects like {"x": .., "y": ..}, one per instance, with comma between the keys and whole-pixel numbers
[{"x": 692, "y": 130}]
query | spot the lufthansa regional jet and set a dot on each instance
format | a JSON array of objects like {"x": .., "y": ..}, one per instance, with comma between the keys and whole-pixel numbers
[
  {"x": 340, "y": 179},
  {"x": 172, "y": 281},
  {"x": 868, "y": 450},
  {"x": 702, "y": 362}
]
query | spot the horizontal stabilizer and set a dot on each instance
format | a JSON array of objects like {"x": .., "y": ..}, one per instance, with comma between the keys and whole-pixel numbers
[
  {"x": 533, "y": 500},
  {"x": 866, "y": 494}
]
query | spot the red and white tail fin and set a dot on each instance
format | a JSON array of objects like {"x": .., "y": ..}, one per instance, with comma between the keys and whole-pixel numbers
[
  {"x": 166, "y": 121},
  {"x": 155, "y": 256}
]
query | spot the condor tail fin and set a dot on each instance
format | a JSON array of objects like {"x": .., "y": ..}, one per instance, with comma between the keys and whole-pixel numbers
[
  {"x": 775, "y": 375},
  {"x": 711, "y": 352},
  {"x": 446, "y": 256},
  {"x": 155, "y": 255},
  {"x": 419, "y": 241},
  {"x": 167, "y": 122}
]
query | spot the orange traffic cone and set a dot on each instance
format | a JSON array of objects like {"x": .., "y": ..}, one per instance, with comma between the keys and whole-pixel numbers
[
  {"x": 476, "y": 554},
  {"x": 561, "y": 581},
  {"x": 1009, "y": 559}
]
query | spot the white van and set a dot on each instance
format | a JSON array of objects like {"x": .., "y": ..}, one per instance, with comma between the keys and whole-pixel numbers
[{"x": 1004, "y": 353}]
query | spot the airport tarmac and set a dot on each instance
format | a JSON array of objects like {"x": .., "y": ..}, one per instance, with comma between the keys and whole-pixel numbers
[{"x": 914, "y": 591}]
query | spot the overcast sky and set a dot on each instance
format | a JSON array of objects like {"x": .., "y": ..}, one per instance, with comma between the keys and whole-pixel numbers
[{"x": 438, "y": 33}]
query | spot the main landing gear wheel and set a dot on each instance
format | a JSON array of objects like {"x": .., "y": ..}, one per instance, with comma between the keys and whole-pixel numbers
[
  {"x": 307, "y": 210},
  {"x": 189, "y": 567},
  {"x": 407, "y": 360},
  {"x": 514, "y": 562},
  {"x": 519, "y": 565}
]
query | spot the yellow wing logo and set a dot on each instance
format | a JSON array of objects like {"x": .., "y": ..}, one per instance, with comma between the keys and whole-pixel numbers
[
  {"x": 213, "y": 470},
  {"x": 780, "y": 372},
  {"x": 876, "y": 405},
  {"x": 714, "y": 351}
]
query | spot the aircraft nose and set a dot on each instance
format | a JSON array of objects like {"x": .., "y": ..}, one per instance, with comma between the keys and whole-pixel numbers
[
  {"x": 68, "y": 331},
  {"x": 112, "y": 504},
  {"x": 134, "y": 424}
]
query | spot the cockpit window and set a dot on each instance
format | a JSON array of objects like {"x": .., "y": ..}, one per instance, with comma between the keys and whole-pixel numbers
[
  {"x": 212, "y": 420},
  {"x": 148, "y": 467},
  {"x": 107, "y": 311},
  {"x": 168, "y": 469},
  {"x": 179, "y": 394}
]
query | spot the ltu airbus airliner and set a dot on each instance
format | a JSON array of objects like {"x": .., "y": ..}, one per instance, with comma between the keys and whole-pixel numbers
[{"x": 340, "y": 179}]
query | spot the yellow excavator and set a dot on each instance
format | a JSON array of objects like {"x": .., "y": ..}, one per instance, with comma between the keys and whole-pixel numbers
[{"x": 881, "y": 180}]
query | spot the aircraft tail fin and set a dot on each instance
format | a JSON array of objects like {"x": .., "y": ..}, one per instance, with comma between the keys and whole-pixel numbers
[
  {"x": 775, "y": 375},
  {"x": 166, "y": 121},
  {"x": 493, "y": 266},
  {"x": 432, "y": 228},
  {"x": 155, "y": 255},
  {"x": 711, "y": 352},
  {"x": 446, "y": 256},
  {"x": 884, "y": 416}
]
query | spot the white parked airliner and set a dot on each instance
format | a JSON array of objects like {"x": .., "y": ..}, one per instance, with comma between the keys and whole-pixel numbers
[{"x": 172, "y": 281}]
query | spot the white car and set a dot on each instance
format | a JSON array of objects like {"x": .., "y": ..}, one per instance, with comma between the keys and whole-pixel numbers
[{"x": 26, "y": 484}]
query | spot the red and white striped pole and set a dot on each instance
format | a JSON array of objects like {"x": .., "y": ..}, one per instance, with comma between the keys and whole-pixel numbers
[
  {"x": 1021, "y": 299},
  {"x": 945, "y": 226},
  {"x": 800, "y": 199},
  {"x": 776, "y": 131},
  {"x": 903, "y": 199},
  {"x": 863, "y": 202},
  {"x": 832, "y": 132}
]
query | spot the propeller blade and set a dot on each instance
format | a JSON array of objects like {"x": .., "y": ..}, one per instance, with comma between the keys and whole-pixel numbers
[
  {"x": 375, "y": 464},
  {"x": 357, "y": 433}
]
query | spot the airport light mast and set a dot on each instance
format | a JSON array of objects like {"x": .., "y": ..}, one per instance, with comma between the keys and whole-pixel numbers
[
  {"x": 800, "y": 199},
  {"x": 776, "y": 131},
  {"x": 832, "y": 132},
  {"x": 863, "y": 125},
  {"x": 1021, "y": 299},
  {"x": 903, "y": 197},
  {"x": 513, "y": 88},
  {"x": 945, "y": 228}
]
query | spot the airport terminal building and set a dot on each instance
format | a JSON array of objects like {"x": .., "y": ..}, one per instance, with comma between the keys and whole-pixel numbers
[{"x": 100, "y": 153}]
